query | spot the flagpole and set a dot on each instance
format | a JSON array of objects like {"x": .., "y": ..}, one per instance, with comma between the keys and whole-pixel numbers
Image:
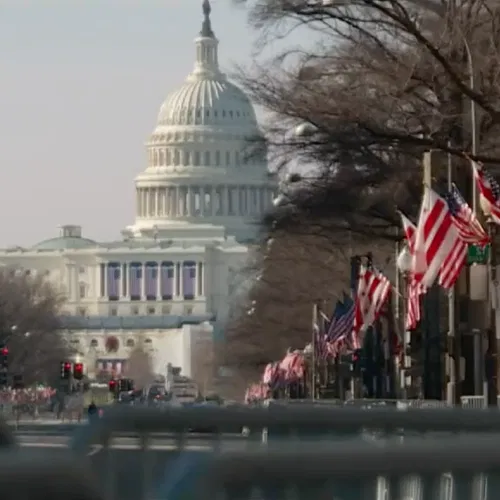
[
  {"x": 452, "y": 362},
  {"x": 315, "y": 324}
]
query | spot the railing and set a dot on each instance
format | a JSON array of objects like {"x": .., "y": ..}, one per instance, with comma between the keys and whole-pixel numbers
[
  {"x": 414, "y": 457},
  {"x": 317, "y": 452}
]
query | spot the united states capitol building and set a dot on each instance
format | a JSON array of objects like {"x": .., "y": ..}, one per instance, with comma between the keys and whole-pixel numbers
[{"x": 166, "y": 285}]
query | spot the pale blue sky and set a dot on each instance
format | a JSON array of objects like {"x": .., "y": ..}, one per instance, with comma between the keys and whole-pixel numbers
[{"x": 81, "y": 83}]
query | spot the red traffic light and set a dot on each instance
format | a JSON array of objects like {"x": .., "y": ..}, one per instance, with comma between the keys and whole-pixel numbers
[
  {"x": 78, "y": 367},
  {"x": 67, "y": 366},
  {"x": 112, "y": 383},
  {"x": 4, "y": 351}
]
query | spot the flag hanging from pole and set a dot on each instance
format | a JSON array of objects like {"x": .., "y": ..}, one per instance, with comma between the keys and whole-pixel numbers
[
  {"x": 438, "y": 250},
  {"x": 468, "y": 226},
  {"x": 489, "y": 189},
  {"x": 373, "y": 292}
]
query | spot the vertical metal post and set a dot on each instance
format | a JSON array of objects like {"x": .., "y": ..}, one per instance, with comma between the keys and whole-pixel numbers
[
  {"x": 491, "y": 361},
  {"x": 452, "y": 363},
  {"x": 315, "y": 325},
  {"x": 355, "y": 265}
]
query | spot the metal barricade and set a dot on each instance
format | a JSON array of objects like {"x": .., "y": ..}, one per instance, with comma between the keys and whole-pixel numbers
[
  {"x": 312, "y": 445},
  {"x": 352, "y": 471},
  {"x": 31, "y": 475},
  {"x": 476, "y": 402}
]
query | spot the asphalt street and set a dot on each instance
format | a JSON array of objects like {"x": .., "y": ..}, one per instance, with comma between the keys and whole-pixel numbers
[{"x": 121, "y": 469}]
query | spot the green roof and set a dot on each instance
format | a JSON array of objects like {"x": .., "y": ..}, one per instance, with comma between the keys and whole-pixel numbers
[{"x": 65, "y": 243}]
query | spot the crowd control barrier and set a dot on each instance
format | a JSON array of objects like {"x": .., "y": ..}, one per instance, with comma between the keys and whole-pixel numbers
[{"x": 313, "y": 453}]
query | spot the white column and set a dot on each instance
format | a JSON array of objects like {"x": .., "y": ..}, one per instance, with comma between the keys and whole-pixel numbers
[
  {"x": 177, "y": 201},
  {"x": 202, "y": 200},
  {"x": 148, "y": 202},
  {"x": 212, "y": 204},
  {"x": 105, "y": 278},
  {"x": 158, "y": 202},
  {"x": 226, "y": 199},
  {"x": 189, "y": 201},
  {"x": 181, "y": 284}
]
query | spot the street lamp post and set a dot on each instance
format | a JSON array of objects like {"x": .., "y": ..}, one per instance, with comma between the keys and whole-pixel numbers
[
  {"x": 491, "y": 356},
  {"x": 404, "y": 265}
]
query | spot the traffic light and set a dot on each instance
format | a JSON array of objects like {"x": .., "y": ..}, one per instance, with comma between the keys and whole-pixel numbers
[
  {"x": 17, "y": 382},
  {"x": 3, "y": 378},
  {"x": 4, "y": 357},
  {"x": 65, "y": 370},
  {"x": 78, "y": 371},
  {"x": 112, "y": 386},
  {"x": 125, "y": 385}
]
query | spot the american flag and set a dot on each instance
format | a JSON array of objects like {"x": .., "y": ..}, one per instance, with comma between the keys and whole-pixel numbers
[
  {"x": 373, "y": 291},
  {"x": 135, "y": 280},
  {"x": 414, "y": 290},
  {"x": 167, "y": 280},
  {"x": 151, "y": 280},
  {"x": 489, "y": 188},
  {"x": 337, "y": 313},
  {"x": 413, "y": 311},
  {"x": 438, "y": 249},
  {"x": 113, "y": 276},
  {"x": 464, "y": 219},
  {"x": 341, "y": 327},
  {"x": 271, "y": 375}
]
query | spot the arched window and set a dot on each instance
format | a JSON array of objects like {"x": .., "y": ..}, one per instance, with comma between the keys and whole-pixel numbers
[
  {"x": 207, "y": 158},
  {"x": 217, "y": 158},
  {"x": 94, "y": 343},
  {"x": 130, "y": 343}
]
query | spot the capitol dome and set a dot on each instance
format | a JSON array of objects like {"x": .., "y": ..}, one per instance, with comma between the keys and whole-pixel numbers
[
  {"x": 207, "y": 162},
  {"x": 215, "y": 102}
]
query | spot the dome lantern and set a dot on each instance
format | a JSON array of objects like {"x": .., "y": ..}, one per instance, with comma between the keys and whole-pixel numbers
[{"x": 207, "y": 58}]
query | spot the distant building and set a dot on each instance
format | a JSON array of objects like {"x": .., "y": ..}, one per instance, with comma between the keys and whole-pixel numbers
[{"x": 197, "y": 202}]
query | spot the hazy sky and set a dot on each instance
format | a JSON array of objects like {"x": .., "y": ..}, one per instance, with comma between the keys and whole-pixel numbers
[{"x": 81, "y": 84}]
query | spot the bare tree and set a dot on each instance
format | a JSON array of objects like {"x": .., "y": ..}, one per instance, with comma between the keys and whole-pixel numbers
[
  {"x": 139, "y": 368},
  {"x": 29, "y": 326},
  {"x": 291, "y": 272},
  {"x": 385, "y": 80}
]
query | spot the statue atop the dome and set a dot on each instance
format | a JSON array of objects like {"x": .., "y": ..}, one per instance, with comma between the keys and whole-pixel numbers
[
  {"x": 206, "y": 28},
  {"x": 206, "y": 8}
]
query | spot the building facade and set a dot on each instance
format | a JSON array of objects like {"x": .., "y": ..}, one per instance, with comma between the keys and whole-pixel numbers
[{"x": 168, "y": 280}]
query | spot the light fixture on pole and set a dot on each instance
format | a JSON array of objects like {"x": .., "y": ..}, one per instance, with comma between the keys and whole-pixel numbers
[
  {"x": 305, "y": 130},
  {"x": 404, "y": 261}
]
